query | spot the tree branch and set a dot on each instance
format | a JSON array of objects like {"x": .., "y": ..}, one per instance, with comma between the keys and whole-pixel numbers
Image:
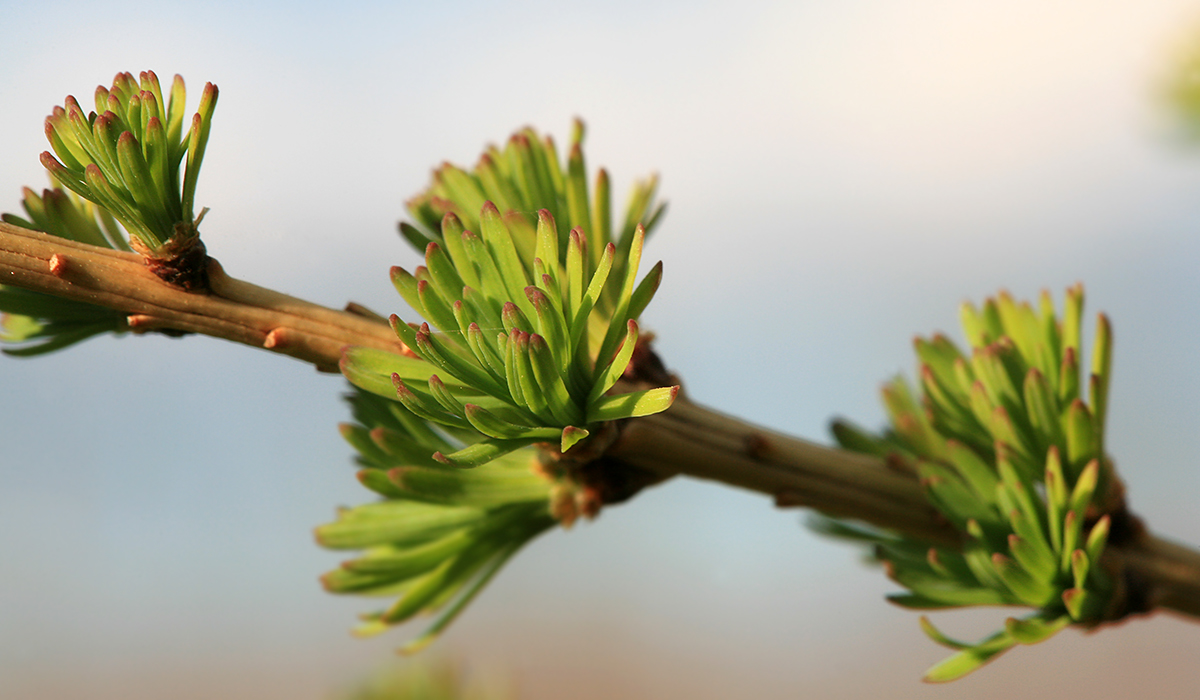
[
  {"x": 697, "y": 441},
  {"x": 234, "y": 310},
  {"x": 686, "y": 439}
]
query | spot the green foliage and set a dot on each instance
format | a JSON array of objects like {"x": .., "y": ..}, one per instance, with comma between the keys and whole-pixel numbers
[
  {"x": 526, "y": 177},
  {"x": 1011, "y": 454},
  {"x": 441, "y": 532},
  {"x": 534, "y": 326},
  {"x": 529, "y": 331},
  {"x": 1181, "y": 88},
  {"x": 67, "y": 216},
  {"x": 124, "y": 160},
  {"x": 125, "y": 156}
]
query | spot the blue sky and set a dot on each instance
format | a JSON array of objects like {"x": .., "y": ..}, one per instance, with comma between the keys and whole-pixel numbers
[{"x": 840, "y": 177}]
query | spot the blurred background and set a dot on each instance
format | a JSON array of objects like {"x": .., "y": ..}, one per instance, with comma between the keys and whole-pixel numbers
[{"x": 840, "y": 176}]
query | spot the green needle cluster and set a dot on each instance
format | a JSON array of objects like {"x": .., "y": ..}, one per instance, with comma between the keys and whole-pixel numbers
[
  {"x": 515, "y": 354},
  {"x": 1010, "y": 452},
  {"x": 441, "y": 532},
  {"x": 529, "y": 329},
  {"x": 532, "y": 326},
  {"x": 526, "y": 177},
  {"x": 125, "y": 156},
  {"x": 67, "y": 216},
  {"x": 124, "y": 160},
  {"x": 42, "y": 323}
]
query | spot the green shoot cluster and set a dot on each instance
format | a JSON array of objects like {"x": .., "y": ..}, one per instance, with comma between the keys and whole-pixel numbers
[
  {"x": 440, "y": 533},
  {"x": 1010, "y": 452},
  {"x": 125, "y": 156},
  {"x": 123, "y": 160},
  {"x": 542, "y": 369},
  {"x": 533, "y": 325},
  {"x": 525, "y": 177},
  {"x": 529, "y": 329}
]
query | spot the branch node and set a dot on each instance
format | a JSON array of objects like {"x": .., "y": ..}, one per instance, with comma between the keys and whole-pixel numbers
[
  {"x": 277, "y": 339},
  {"x": 145, "y": 323},
  {"x": 59, "y": 266},
  {"x": 140, "y": 323},
  {"x": 181, "y": 262},
  {"x": 757, "y": 446}
]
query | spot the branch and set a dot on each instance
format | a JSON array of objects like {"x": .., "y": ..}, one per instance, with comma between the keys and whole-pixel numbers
[
  {"x": 699, "y": 442},
  {"x": 234, "y": 310},
  {"x": 686, "y": 439}
]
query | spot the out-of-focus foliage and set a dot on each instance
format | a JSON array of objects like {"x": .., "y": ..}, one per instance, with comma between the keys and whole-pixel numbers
[{"x": 427, "y": 680}]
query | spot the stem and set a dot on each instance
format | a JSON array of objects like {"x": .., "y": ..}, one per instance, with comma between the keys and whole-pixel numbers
[
  {"x": 1170, "y": 573},
  {"x": 233, "y": 310},
  {"x": 697, "y": 441},
  {"x": 686, "y": 439}
]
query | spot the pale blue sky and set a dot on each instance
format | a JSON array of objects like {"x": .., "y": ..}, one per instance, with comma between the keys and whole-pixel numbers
[{"x": 840, "y": 176}]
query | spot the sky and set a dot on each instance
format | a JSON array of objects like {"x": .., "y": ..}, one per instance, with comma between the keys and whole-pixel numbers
[{"x": 841, "y": 176}]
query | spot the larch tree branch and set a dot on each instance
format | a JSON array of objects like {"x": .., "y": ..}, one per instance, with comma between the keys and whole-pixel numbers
[
  {"x": 687, "y": 439},
  {"x": 529, "y": 396}
]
